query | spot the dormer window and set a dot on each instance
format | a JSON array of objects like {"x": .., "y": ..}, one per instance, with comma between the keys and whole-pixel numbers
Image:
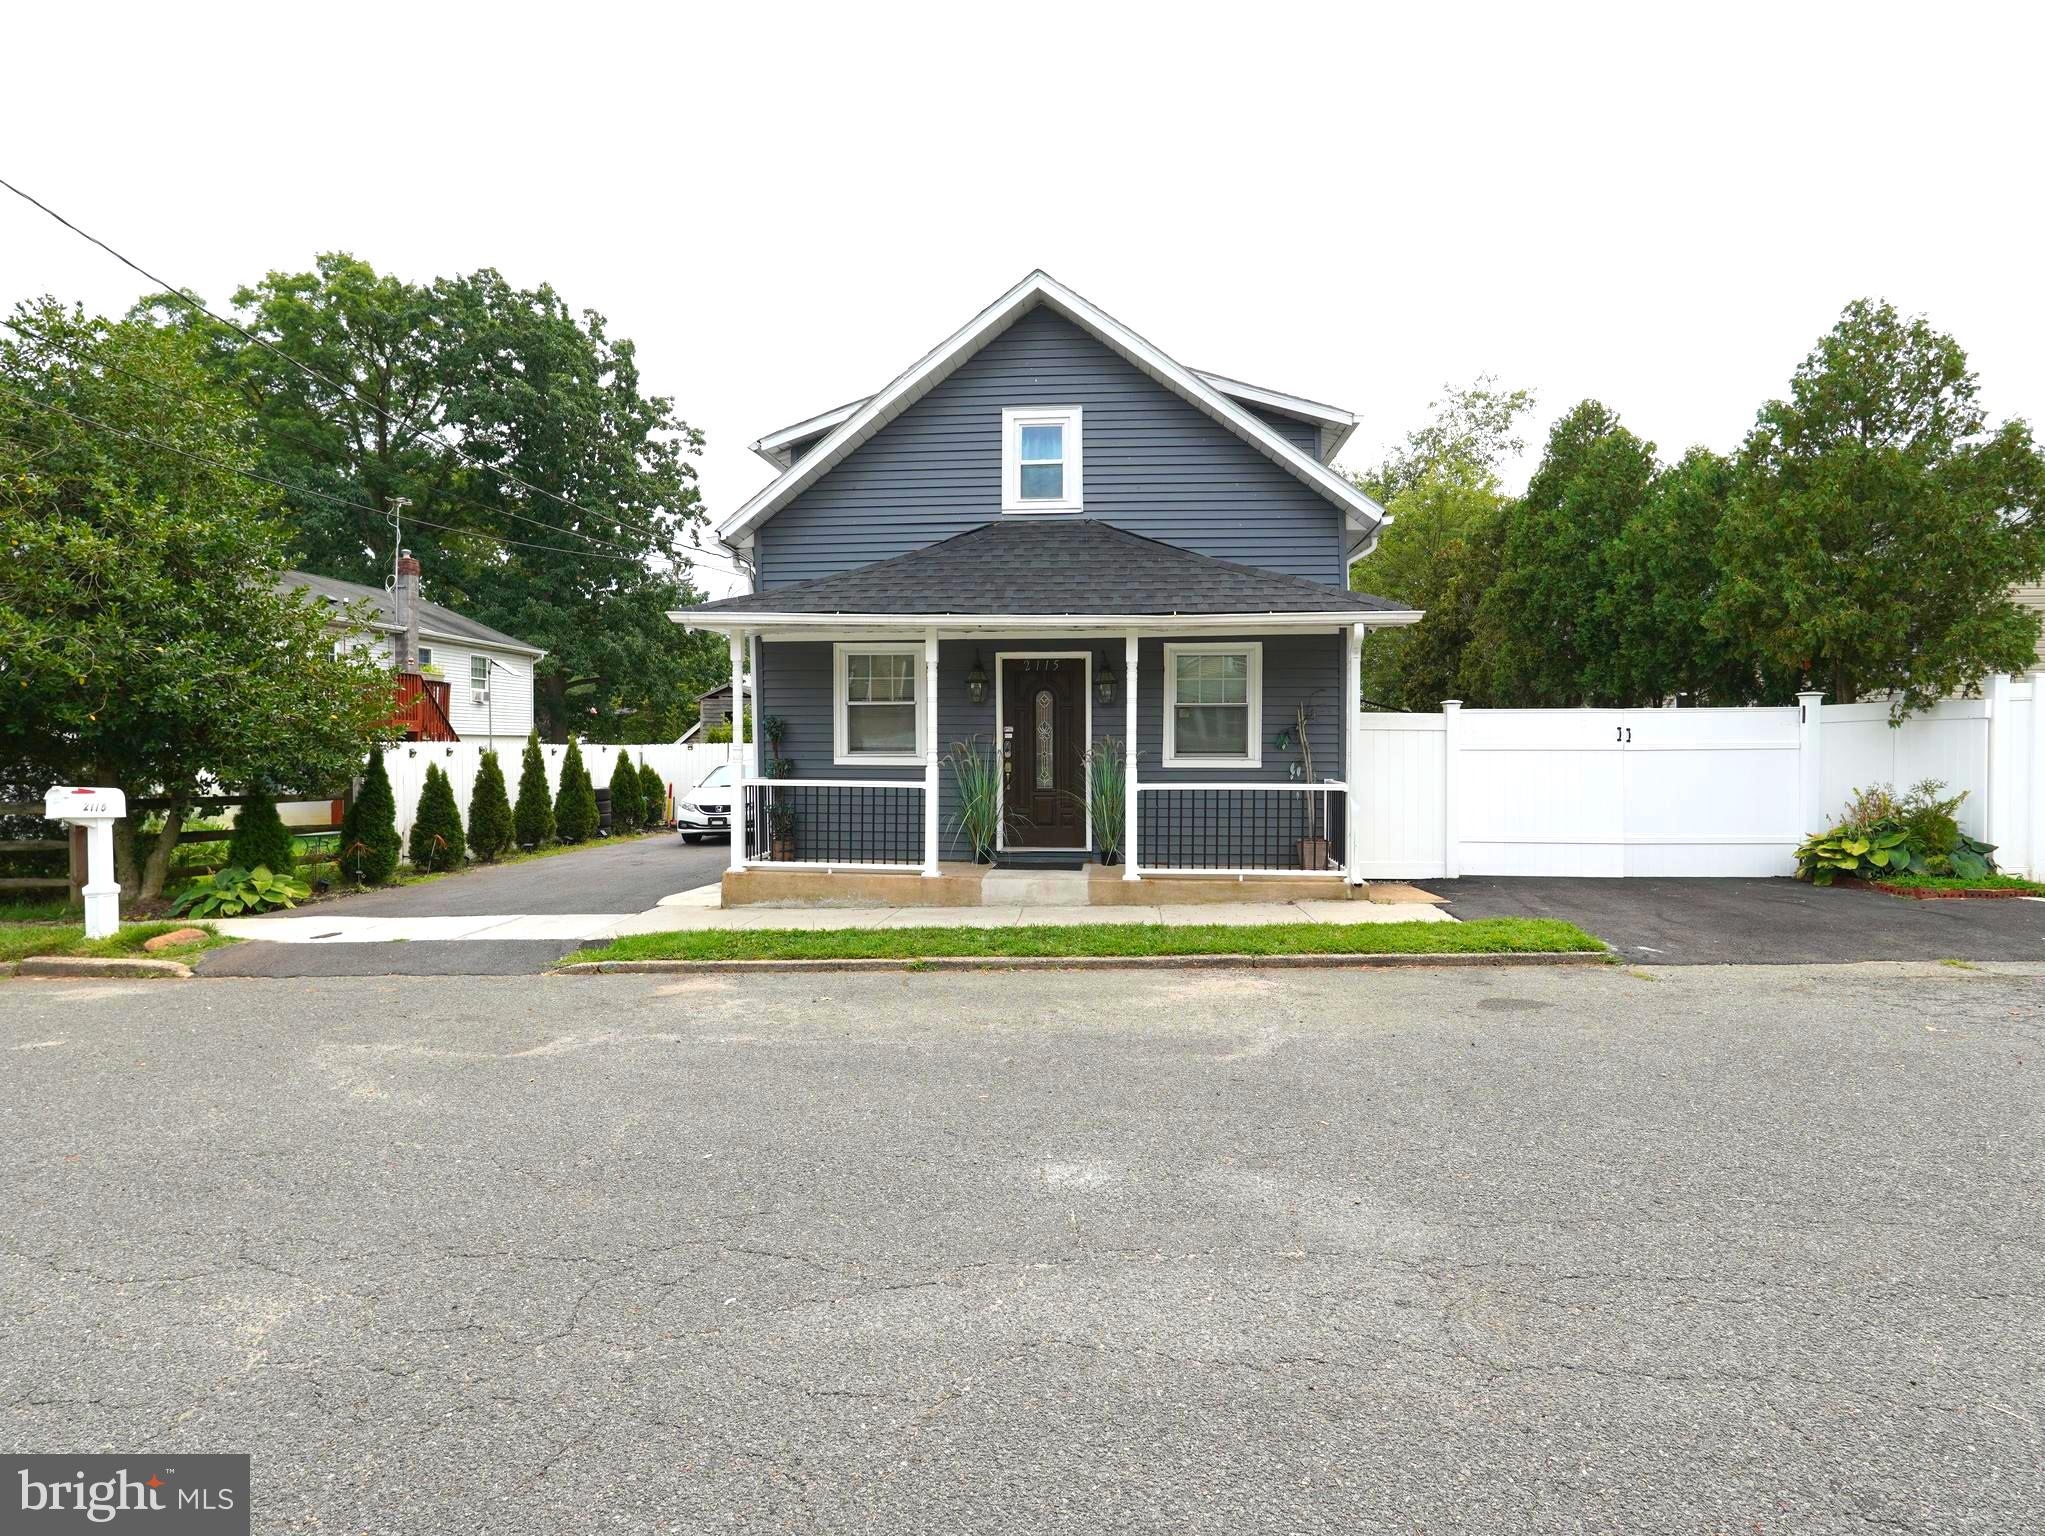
[{"x": 1040, "y": 459}]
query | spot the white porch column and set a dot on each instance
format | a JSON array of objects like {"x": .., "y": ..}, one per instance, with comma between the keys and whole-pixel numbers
[
  {"x": 755, "y": 764},
  {"x": 735, "y": 755},
  {"x": 1129, "y": 869},
  {"x": 929, "y": 754},
  {"x": 2034, "y": 825},
  {"x": 1352, "y": 753},
  {"x": 1810, "y": 765}
]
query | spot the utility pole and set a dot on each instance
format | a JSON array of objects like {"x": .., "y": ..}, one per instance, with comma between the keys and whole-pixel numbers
[{"x": 396, "y": 518}]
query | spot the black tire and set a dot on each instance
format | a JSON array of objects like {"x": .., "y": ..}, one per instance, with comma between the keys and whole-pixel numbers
[{"x": 691, "y": 837}]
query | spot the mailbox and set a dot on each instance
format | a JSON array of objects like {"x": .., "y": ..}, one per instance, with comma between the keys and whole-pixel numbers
[{"x": 96, "y": 810}]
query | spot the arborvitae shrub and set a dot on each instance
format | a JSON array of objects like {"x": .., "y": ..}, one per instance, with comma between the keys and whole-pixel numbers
[
  {"x": 652, "y": 797},
  {"x": 626, "y": 815},
  {"x": 437, "y": 826},
  {"x": 490, "y": 827},
  {"x": 369, "y": 829},
  {"x": 575, "y": 801},
  {"x": 260, "y": 837},
  {"x": 533, "y": 821}
]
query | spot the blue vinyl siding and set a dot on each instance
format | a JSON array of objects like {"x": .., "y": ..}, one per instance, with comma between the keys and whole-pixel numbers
[
  {"x": 1303, "y": 435},
  {"x": 1154, "y": 464},
  {"x": 796, "y": 680}
]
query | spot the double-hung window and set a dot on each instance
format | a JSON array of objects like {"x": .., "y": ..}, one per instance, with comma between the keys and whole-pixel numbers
[
  {"x": 1213, "y": 705},
  {"x": 878, "y": 718},
  {"x": 479, "y": 674},
  {"x": 1041, "y": 463}
]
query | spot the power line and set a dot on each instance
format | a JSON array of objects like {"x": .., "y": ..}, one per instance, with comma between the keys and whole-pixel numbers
[
  {"x": 312, "y": 373},
  {"x": 78, "y": 352}
]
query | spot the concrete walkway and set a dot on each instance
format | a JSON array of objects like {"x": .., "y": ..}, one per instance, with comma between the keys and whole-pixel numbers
[{"x": 696, "y": 911}]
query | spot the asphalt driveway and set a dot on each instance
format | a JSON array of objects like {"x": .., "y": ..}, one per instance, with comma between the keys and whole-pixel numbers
[
  {"x": 1550, "y": 1250},
  {"x": 623, "y": 877},
  {"x": 1755, "y": 922},
  {"x": 628, "y": 876}
]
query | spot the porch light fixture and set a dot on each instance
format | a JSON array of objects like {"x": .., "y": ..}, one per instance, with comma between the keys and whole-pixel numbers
[
  {"x": 1104, "y": 685},
  {"x": 976, "y": 681}
]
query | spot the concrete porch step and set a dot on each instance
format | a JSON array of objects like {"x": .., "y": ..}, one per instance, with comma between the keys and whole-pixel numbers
[{"x": 1034, "y": 888}]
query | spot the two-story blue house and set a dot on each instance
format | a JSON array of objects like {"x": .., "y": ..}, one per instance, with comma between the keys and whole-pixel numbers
[{"x": 1047, "y": 539}]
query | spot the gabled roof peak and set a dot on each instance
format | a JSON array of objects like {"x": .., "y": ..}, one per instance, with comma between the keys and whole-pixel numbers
[{"x": 848, "y": 427}]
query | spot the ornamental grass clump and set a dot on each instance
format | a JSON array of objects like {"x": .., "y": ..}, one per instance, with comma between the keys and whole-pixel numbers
[{"x": 978, "y": 781}]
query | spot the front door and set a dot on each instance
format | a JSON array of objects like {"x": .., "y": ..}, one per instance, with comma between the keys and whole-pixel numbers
[{"x": 1043, "y": 751}]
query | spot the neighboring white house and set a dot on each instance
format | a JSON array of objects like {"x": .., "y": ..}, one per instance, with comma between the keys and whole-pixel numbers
[{"x": 489, "y": 674}]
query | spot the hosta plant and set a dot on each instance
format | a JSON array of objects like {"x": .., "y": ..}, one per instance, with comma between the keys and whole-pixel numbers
[
  {"x": 233, "y": 891},
  {"x": 1822, "y": 859}
]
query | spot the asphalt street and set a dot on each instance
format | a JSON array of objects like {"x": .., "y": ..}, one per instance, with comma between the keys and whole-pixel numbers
[
  {"x": 1605, "y": 1249},
  {"x": 1750, "y": 922}
]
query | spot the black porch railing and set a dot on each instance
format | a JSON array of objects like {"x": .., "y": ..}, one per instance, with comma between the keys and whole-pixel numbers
[
  {"x": 1240, "y": 829},
  {"x": 809, "y": 822}
]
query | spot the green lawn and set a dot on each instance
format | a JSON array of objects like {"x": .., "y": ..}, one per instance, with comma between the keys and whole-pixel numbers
[
  {"x": 18, "y": 941},
  {"x": 37, "y": 911},
  {"x": 1485, "y": 936},
  {"x": 1955, "y": 883}
]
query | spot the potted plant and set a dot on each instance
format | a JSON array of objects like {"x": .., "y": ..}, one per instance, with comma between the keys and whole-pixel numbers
[
  {"x": 781, "y": 831},
  {"x": 979, "y": 787},
  {"x": 1106, "y": 801},
  {"x": 1313, "y": 848},
  {"x": 773, "y": 729}
]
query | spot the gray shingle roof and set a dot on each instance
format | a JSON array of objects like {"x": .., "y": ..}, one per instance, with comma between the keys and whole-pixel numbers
[
  {"x": 441, "y": 623},
  {"x": 1052, "y": 566}
]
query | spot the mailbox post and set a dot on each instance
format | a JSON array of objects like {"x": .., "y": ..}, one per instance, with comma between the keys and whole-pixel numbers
[{"x": 96, "y": 810}]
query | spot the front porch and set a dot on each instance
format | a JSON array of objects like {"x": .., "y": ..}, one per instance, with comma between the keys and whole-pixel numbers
[
  {"x": 1052, "y": 699},
  {"x": 958, "y": 884}
]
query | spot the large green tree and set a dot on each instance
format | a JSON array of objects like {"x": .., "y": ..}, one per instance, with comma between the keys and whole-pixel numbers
[
  {"x": 143, "y": 640},
  {"x": 1548, "y": 623},
  {"x": 1439, "y": 553},
  {"x": 1877, "y": 520},
  {"x": 1473, "y": 427},
  {"x": 550, "y": 495}
]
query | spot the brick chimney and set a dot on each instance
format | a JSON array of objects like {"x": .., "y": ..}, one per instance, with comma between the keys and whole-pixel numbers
[{"x": 406, "y": 595}]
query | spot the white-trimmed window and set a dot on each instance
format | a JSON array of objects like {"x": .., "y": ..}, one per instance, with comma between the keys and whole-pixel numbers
[
  {"x": 425, "y": 655},
  {"x": 878, "y": 720},
  {"x": 479, "y": 675},
  {"x": 1041, "y": 462},
  {"x": 1213, "y": 702}
]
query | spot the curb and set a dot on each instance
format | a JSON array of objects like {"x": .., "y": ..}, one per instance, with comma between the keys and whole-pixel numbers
[
  {"x": 1921, "y": 893},
  {"x": 69, "y": 965},
  {"x": 1080, "y": 963}
]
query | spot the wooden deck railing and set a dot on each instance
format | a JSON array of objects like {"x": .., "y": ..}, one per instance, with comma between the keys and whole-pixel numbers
[{"x": 422, "y": 709}]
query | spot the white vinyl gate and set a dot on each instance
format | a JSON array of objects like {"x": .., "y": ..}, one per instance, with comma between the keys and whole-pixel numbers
[{"x": 1607, "y": 792}]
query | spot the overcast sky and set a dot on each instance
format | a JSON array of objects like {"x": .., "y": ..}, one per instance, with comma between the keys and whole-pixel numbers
[{"x": 1661, "y": 206}]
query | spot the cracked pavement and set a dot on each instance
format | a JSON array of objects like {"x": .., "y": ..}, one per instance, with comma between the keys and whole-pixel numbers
[{"x": 1700, "y": 1249}]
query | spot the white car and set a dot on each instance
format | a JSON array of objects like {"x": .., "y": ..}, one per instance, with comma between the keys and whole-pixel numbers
[{"x": 705, "y": 811}]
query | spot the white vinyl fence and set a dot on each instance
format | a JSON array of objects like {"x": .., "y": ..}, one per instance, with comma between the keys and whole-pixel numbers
[
  {"x": 680, "y": 765},
  {"x": 1613, "y": 792}
]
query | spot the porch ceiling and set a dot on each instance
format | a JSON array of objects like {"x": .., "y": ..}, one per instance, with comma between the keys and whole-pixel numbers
[{"x": 1051, "y": 573}]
